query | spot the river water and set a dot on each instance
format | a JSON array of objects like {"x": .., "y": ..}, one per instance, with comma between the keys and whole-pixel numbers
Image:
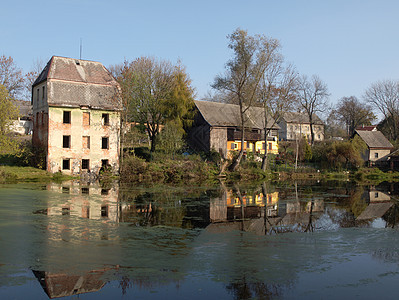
[{"x": 313, "y": 240}]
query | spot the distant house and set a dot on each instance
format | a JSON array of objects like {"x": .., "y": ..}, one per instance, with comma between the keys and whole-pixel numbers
[
  {"x": 76, "y": 116},
  {"x": 217, "y": 126},
  {"x": 378, "y": 146},
  {"x": 294, "y": 125},
  {"x": 23, "y": 125}
]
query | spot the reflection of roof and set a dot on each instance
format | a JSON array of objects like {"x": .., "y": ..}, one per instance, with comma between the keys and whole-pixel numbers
[
  {"x": 223, "y": 114},
  {"x": 62, "y": 285},
  {"x": 375, "y": 210},
  {"x": 300, "y": 118},
  {"x": 374, "y": 139},
  {"x": 76, "y": 82}
]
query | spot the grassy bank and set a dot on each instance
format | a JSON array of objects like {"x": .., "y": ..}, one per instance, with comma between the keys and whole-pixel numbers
[{"x": 12, "y": 174}]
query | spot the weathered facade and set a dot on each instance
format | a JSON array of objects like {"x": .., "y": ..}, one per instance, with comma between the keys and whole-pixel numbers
[
  {"x": 217, "y": 127},
  {"x": 378, "y": 146},
  {"x": 295, "y": 125},
  {"x": 76, "y": 116}
]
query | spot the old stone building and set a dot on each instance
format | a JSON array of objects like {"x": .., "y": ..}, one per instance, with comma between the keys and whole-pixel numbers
[
  {"x": 217, "y": 126},
  {"x": 76, "y": 116},
  {"x": 294, "y": 125}
]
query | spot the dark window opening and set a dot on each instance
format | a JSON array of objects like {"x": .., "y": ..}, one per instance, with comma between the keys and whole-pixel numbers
[
  {"x": 86, "y": 142},
  {"x": 104, "y": 163},
  {"x": 85, "y": 164},
  {"x": 375, "y": 155},
  {"x": 66, "y": 164},
  {"x": 270, "y": 146},
  {"x": 43, "y": 93},
  {"x": 86, "y": 213},
  {"x": 66, "y": 211},
  {"x": 67, "y": 117},
  {"x": 104, "y": 191},
  {"x": 85, "y": 190},
  {"x": 105, "y": 119},
  {"x": 65, "y": 190},
  {"x": 104, "y": 143},
  {"x": 66, "y": 141},
  {"x": 37, "y": 96},
  {"x": 104, "y": 211}
]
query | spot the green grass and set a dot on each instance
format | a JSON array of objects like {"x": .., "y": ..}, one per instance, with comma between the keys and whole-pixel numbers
[{"x": 28, "y": 174}]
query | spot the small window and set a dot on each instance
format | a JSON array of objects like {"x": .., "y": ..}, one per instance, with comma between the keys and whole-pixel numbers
[
  {"x": 86, "y": 212},
  {"x": 66, "y": 164},
  {"x": 104, "y": 163},
  {"x": 376, "y": 195},
  {"x": 85, "y": 164},
  {"x": 85, "y": 190},
  {"x": 67, "y": 117},
  {"x": 233, "y": 146},
  {"x": 86, "y": 118},
  {"x": 318, "y": 136},
  {"x": 376, "y": 155},
  {"x": 104, "y": 192},
  {"x": 270, "y": 146},
  {"x": 43, "y": 89},
  {"x": 104, "y": 211},
  {"x": 248, "y": 145},
  {"x": 66, "y": 211},
  {"x": 104, "y": 143},
  {"x": 263, "y": 146},
  {"x": 105, "y": 119},
  {"x": 65, "y": 190},
  {"x": 66, "y": 141},
  {"x": 37, "y": 96},
  {"x": 86, "y": 142}
]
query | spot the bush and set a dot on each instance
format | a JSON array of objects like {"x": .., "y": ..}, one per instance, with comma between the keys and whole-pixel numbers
[{"x": 143, "y": 152}]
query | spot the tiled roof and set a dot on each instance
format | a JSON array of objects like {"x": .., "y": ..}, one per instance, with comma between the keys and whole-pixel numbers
[
  {"x": 300, "y": 118},
  {"x": 74, "y": 82},
  {"x": 374, "y": 139},
  {"x": 223, "y": 114}
]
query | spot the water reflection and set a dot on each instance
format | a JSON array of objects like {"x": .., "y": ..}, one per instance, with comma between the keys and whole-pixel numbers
[{"x": 79, "y": 237}]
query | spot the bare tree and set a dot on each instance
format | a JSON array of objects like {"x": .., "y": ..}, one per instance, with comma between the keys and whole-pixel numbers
[
  {"x": 354, "y": 113},
  {"x": 384, "y": 95},
  {"x": 277, "y": 95},
  {"x": 312, "y": 97},
  {"x": 11, "y": 76},
  {"x": 242, "y": 77}
]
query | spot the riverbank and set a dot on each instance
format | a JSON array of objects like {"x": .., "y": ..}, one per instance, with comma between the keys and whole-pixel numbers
[{"x": 14, "y": 174}]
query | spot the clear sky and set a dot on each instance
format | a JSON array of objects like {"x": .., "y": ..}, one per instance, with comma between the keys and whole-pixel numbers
[{"x": 349, "y": 44}]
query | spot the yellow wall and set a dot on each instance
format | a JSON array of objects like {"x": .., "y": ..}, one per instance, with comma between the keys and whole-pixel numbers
[{"x": 258, "y": 146}]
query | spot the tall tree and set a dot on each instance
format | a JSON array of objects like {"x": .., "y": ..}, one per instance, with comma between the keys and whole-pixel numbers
[
  {"x": 154, "y": 92},
  {"x": 241, "y": 80},
  {"x": 312, "y": 97},
  {"x": 8, "y": 113},
  {"x": 353, "y": 113},
  {"x": 11, "y": 77},
  {"x": 384, "y": 96}
]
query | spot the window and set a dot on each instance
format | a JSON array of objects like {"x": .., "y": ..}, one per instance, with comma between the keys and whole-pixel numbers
[
  {"x": 105, "y": 119},
  {"x": 66, "y": 211},
  {"x": 104, "y": 211},
  {"x": 104, "y": 163},
  {"x": 43, "y": 89},
  {"x": 375, "y": 155},
  {"x": 85, "y": 190},
  {"x": 37, "y": 96},
  {"x": 270, "y": 146},
  {"x": 263, "y": 146},
  {"x": 67, "y": 117},
  {"x": 86, "y": 142},
  {"x": 86, "y": 118},
  {"x": 104, "y": 143},
  {"x": 318, "y": 136},
  {"x": 104, "y": 192},
  {"x": 248, "y": 145},
  {"x": 66, "y": 164},
  {"x": 376, "y": 194},
  {"x": 233, "y": 146},
  {"x": 66, "y": 141},
  {"x": 65, "y": 190},
  {"x": 85, "y": 164}
]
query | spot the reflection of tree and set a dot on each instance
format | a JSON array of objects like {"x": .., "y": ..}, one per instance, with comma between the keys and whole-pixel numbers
[{"x": 254, "y": 290}]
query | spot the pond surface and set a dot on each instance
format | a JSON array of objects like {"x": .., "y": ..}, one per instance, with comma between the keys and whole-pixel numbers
[{"x": 286, "y": 241}]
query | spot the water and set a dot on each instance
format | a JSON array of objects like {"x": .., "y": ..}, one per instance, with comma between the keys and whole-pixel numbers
[{"x": 317, "y": 241}]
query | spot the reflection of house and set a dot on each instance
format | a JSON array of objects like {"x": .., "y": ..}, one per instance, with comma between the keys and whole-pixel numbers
[
  {"x": 23, "y": 125},
  {"x": 294, "y": 125},
  {"x": 378, "y": 146},
  {"x": 76, "y": 116},
  {"x": 58, "y": 285},
  {"x": 379, "y": 205},
  {"x": 91, "y": 202},
  {"x": 217, "y": 126}
]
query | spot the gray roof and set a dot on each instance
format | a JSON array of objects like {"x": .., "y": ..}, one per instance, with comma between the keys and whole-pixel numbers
[
  {"x": 25, "y": 108},
  {"x": 374, "y": 139},
  {"x": 75, "y": 82},
  {"x": 300, "y": 118},
  {"x": 375, "y": 210},
  {"x": 228, "y": 115}
]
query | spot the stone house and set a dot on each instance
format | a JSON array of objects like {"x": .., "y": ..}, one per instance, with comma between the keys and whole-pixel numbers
[
  {"x": 294, "y": 125},
  {"x": 378, "y": 146},
  {"x": 76, "y": 116},
  {"x": 217, "y": 126}
]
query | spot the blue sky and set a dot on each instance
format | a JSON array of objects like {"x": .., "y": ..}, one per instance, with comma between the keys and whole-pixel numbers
[{"x": 348, "y": 44}]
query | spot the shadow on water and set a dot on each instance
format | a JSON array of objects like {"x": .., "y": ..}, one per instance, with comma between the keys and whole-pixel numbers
[{"x": 81, "y": 237}]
